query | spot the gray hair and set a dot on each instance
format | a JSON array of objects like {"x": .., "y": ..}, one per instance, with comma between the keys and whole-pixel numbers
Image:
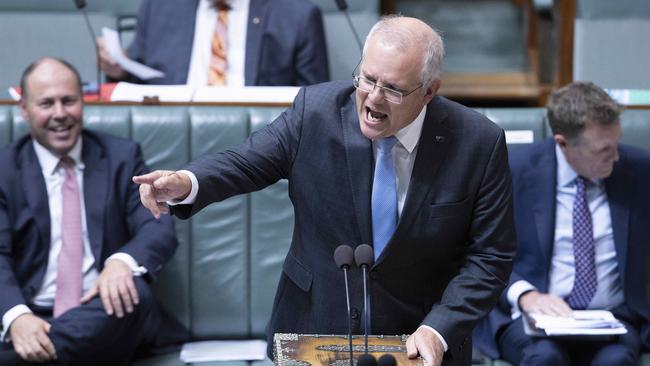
[
  {"x": 573, "y": 106},
  {"x": 403, "y": 38}
]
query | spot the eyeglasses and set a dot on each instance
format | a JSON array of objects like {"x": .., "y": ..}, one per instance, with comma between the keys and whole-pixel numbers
[{"x": 368, "y": 86}]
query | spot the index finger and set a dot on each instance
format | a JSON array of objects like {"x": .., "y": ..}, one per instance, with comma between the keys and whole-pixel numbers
[
  {"x": 149, "y": 178},
  {"x": 47, "y": 345}
]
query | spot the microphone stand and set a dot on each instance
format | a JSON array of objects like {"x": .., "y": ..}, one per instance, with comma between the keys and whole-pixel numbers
[
  {"x": 343, "y": 256},
  {"x": 81, "y": 5},
  {"x": 347, "y": 298}
]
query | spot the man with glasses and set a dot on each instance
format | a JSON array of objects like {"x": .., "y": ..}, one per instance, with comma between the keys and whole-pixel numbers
[{"x": 423, "y": 179}]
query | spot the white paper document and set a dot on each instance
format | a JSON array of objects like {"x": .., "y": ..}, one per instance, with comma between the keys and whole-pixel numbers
[
  {"x": 242, "y": 350},
  {"x": 165, "y": 93},
  {"x": 583, "y": 322},
  {"x": 247, "y": 94},
  {"x": 113, "y": 47}
]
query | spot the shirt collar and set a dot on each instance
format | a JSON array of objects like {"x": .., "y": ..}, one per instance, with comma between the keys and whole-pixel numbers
[
  {"x": 410, "y": 135},
  {"x": 50, "y": 162}
]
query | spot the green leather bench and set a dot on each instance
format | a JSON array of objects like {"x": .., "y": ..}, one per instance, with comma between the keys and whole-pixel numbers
[{"x": 222, "y": 279}]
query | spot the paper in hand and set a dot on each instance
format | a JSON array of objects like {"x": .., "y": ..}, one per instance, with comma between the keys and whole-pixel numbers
[{"x": 114, "y": 49}]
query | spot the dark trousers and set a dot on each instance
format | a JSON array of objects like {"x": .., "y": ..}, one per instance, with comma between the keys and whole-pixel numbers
[
  {"x": 520, "y": 349},
  {"x": 85, "y": 335}
]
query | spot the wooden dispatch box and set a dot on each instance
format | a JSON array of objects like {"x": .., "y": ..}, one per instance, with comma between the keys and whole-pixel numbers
[{"x": 333, "y": 350}]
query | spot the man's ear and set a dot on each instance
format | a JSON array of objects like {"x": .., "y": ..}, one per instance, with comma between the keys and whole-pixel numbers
[
  {"x": 432, "y": 90},
  {"x": 560, "y": 140},
  {"x": 23, "y": 109}
]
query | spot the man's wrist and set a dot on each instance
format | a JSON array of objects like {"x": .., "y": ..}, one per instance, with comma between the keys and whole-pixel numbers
[
  {"x": 445, "y": 347},
  {"x": 9, "y": 317}
]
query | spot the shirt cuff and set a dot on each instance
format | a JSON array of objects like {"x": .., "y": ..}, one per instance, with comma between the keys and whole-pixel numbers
[
  {"x": 9, "y": 318},
  {"x": 193, "y": 192},
  {"x": 442, "y": 340},
  {"x": 514, "y": 293},
  {"x": 126, "y": 258}
]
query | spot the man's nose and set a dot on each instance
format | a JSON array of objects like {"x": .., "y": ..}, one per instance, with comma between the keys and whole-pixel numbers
[
  {"x": 59, "y": 110},
  {"x": 376, "y": 94}
]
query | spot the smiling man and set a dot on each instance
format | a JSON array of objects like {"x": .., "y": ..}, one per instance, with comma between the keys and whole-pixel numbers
[
  {"x": 76, "y": 245},
  {"x": 384, "y": 161}
]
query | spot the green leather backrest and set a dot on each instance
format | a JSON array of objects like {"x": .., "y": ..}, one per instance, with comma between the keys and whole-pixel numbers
[
  {"x": 271, "y": 218},
  {"x": 219, "y": 257},
  {"x": 635, "y": 126},
  {"x": 522, "y": 125},
  {"x": 164, "y": 134}
]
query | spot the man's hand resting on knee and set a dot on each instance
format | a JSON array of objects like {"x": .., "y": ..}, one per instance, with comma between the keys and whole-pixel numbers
[
  {"x": 116, "y": 289},
  {"x": 29, "y": 334}
]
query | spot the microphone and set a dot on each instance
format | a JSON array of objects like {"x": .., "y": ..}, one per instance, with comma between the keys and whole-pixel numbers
[
  {"x": 81, "y": 5},
  {"x": 387, "y": 360},
  {"x": 365, "y": 257},
  {"x": 366, "y": 360},
  {"x": 343, "y": 6},
  {"x": 343, "y": 258}
]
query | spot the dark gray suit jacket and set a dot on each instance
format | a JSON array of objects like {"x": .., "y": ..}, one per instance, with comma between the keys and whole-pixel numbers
[
  {"x": 451, "y": 254},
  {"x": 285, "y": 42}
]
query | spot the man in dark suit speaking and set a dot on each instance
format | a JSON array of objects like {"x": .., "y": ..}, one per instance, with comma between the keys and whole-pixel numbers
[
  {"x": 421, "y": 178},
  {"x": 76, "y": 245}
]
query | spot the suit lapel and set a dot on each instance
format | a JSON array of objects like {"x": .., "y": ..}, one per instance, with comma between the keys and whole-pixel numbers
[
  {"x": 257, "y": 17},
  {"x": 432, "y": 148},
  {"x": 36, "y": 192},
  {"x": 95, "y": 178},
  {"x": 617, "y": 187},
  {"x": 541, "y": 182},
  {"x": 358, "y": 151}
]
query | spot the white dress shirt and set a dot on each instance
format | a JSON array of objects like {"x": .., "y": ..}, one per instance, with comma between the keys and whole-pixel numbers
[
  {"x": 609, "y": 292},
  {"x": 54, "y": 176},
  {"x": 206, "y": 19}
]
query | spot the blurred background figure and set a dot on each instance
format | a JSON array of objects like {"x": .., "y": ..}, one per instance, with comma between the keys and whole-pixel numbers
[{"x": 227, "y": 42}]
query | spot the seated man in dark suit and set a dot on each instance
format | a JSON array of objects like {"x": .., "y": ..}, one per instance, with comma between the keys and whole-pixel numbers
[
  {"x": 582, "y": 221},
  {"x": 228, "y": 42},
  {"x": 76, "y": 245}
]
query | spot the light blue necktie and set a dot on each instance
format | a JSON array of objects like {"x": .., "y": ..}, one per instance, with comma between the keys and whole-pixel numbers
[{"x": 384, "y": 196}]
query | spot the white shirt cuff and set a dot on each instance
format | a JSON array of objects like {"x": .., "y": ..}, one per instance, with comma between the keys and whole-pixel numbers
[
  {"x": 9, "y": 318},
  {"x": 442, "y": 340},
  {"x": 126, "y": 258},
  {"x": 514, "y": 293},
  {"x": 193, "y": 192}
]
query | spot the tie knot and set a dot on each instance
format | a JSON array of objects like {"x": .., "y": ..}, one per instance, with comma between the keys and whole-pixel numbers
[
  {"x": 67, "y": 163},
  {"x": 221, "y": 4},
  {"x": 386, "y": 144},
  {"x": 581, "y": 183}
]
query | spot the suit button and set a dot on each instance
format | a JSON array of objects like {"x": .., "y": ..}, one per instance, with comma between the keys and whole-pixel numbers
[{"x": 354, "y": 313}]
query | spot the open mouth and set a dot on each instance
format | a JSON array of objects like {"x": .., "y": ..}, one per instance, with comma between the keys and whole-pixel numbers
[{"x": 374, "y": 116}]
